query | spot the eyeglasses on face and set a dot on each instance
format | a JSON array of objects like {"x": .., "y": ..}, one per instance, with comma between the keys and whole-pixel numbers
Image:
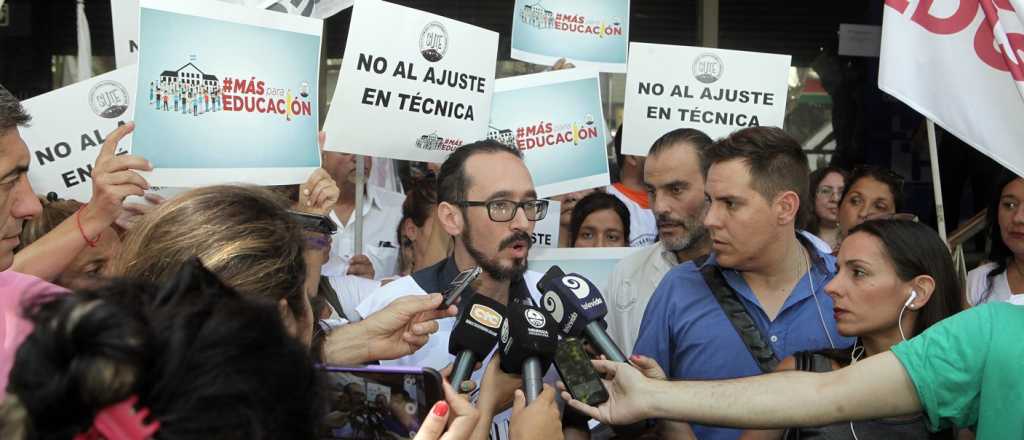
[{"x": 505, "y": 210}]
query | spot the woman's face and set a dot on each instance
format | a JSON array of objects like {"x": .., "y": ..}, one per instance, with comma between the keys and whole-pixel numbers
[
  {"x": 867, "y": 197},
  {"x": 867, "y": 294},
  {"x": 827, "y": 194},
  {"x": 90, "y": 266},
  {"x": 1011, "y": 216},
  {"x": 601, "y": 229}
]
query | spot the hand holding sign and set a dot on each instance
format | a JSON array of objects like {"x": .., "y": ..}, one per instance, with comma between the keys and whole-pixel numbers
[{"x": 113, "y": 179}]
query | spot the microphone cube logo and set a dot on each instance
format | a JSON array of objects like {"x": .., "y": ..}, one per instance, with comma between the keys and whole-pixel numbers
[
  {"x": 553, "y": 305},
  {"x": 577, "y": 285},
  {"x": 504, "y": 333},
  {"x": 486, "y": 316},
  {"x": 535, "y": 318}
]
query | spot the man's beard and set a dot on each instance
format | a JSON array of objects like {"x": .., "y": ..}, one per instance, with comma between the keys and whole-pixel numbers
[
  {"x": 492, "y": 266},
  {"x": 695, "y": 233}
]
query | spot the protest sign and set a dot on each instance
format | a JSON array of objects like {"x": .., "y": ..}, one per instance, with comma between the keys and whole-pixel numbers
[
  {"x": 556, "y": 120},
  {"x": 545, "y": 232},
  {"x": 595, "y": 264},
  {"x": 68, "y": 128},
  {"x": 716, "y": 91},
  {"x": 232, "y": 99},
  {"x": 592, "y": 34},
  {"x": 124, "y": 15},
  {"x": 412, "y": 86}
]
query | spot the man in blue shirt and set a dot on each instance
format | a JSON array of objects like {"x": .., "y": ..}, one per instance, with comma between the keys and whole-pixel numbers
[{"x": 754, "y": 187}]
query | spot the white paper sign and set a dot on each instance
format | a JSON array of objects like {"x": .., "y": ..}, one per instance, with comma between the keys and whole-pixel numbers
[
  {"x": 68, "y": 128},
  {"x": 124, "y": 14},
  {"x": 595, "y": 264},
  {"x": 716, "y": 91},
  {"x": 859, "y": 40},
  {"x": 413, "y": 85},
  {"x": 545, "y": 232}
]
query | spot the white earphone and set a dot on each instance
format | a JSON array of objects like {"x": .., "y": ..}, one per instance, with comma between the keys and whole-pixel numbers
[{"x": 913, "y": 296}]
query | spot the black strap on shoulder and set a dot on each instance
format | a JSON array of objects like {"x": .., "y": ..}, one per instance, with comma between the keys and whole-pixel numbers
[{"x": 730, "y": 302}]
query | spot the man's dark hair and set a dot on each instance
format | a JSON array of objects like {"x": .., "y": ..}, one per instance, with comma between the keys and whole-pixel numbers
[
  {"x": 617, "y": 144},
  {"x": 697, "y": 138},
  {"x": 776, "y": 161},
  {"x": 12, "y": 113},
  {"x": 593, "y": 202},
  {"x": 452, "y": 183}
]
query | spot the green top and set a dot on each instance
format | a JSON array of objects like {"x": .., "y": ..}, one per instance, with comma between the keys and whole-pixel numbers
[{"x": 969, "y": 371}]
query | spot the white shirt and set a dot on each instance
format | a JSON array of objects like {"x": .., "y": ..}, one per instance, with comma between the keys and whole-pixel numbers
[
  {"x": 352, "y": 291},
  {"x": 643, "y": 227},
  {"x": 977, "y": 283},
  {"x": 382, "y": 210},
  {"x": 434, "y": 354},
  {"x": 630, "y": 288}
]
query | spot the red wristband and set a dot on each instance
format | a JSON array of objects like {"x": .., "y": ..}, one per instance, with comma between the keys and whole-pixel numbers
[{"x": 78, "y": 220}]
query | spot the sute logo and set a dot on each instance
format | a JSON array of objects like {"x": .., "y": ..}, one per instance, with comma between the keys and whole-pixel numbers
[
  {"x": 577, "y": 285},
  {"x": 535, "y": 318},
  {"x": 708, "y": 68},
  {"x": 108, "y": 99},
  {"x": 433, "y": 41}
]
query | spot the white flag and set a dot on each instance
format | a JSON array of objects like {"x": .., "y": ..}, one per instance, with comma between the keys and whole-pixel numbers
[
  {"x": 84, "y": 44},
  {"x": 958, "y": 63}
]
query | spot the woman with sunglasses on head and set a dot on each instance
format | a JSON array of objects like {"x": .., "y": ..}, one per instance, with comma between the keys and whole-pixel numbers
[
  {"x": 1002, "y": 278},
  {"x": 895, "y": 280},
  {"x": 870, "y": 192},
  {"x": 827, "y": 185}
]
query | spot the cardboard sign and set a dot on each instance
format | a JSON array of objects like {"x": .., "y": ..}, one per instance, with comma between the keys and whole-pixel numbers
[
  {"x": 68, "y": 128},
  {"x": 546, "y": 231},
  {"x": 124, "y": 14},
  {"x": 412, "y": 86},
  {"x": 595, "y": 264},
  {"x": 592, "y": 34},
  {"x": 716, "y": 91},
  {"x": 556, "y": 120},
  {"x": 234, "y": 99}
]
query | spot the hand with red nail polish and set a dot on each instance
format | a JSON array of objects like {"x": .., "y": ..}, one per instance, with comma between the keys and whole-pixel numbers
[{"x": 455, "y": 412}]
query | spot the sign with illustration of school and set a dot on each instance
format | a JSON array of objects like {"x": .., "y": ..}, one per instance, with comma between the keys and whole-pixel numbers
[
  {"x": 226, "y": 93},
  {"x": 556, "y": 120},
  {"x": 716, "y": 91},
  {"x": 592, "y": 34},
  {"x": 68, "y": 128},
  {"x": 413, "y": 85}
]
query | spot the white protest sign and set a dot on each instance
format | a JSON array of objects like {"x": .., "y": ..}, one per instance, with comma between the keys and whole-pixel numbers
[
  {"x": 545, "y": 231},
  {"x": 557, "y": 121},
  {"x": 716, "y": 91},
  {"x": 68, "y": 128},
  {"x": 595, "y": 264},
  {"x": 124, "y": 14},
  {"x": 412, "y": 86},
  {"x": 591, "y": 34}
]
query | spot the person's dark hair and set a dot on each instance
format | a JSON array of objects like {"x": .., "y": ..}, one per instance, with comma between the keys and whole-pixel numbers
[
  {"x": 998, "y": 253},
  {"x": 617, "y": 146},
  {"x": 12, "y": 113},
  {"x": 204, "y": 360},
  {"x": 697, "y": 138},
  {"x": 777, "y": 162},
  {"x": 419, "y": 202},
  {"x": 813, "y": 221},
  {"x": 593, "y": 202},
  {"x": 916, "y": 249},
  {"x": 886, "y": 176},
  {"x": 452, "y": 182}
]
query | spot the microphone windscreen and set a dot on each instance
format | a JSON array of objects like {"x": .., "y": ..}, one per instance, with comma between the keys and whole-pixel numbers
[
  {"x": 526, "y": 332},
  {"x": 571, "y": 300},
  {"x": 477, "y": 327}
]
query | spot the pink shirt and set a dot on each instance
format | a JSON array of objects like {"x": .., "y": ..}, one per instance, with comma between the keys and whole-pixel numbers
[{"x": 14, "y": 289}]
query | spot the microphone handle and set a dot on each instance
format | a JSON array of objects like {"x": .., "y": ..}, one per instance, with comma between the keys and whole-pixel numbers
[
  {"x": 463, "y": 368},
  {"x": 603, "y": 343},
  {"x": 533, "y": 378}
]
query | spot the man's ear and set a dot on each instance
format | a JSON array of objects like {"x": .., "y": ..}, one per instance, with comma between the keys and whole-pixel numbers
[
  {"x": 451, "y": 219},
  {"x": 786, "y": 207}
]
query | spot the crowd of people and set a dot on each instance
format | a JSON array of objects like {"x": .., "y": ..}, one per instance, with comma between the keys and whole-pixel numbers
[{"x": 763, "y": 300}]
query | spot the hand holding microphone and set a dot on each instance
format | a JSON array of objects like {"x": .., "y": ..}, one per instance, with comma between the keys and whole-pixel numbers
[{"x": 578, "y": 307}]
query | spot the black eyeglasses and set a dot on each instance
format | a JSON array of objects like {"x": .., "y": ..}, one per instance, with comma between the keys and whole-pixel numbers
[{"x": 505, "y": 210}]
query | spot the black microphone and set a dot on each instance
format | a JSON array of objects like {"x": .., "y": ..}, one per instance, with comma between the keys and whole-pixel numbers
[
  {"x": 578, "y": 307},
  {"x": 527, "y": 344},
  {"x": 474, "y": 335}
]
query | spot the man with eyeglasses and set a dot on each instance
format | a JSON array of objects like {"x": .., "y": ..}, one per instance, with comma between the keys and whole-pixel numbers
[{"x": 487, "y": 202}]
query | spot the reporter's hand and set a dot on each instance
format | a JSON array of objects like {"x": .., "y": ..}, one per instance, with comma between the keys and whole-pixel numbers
[
  {"x": 540, "y": 420},
  {"x": 132, "y": 212},
  {"x": 649, "y": 367},
  {"x": 361, "y": 266},
  {"x": 456, "y": 408},
  {"x": 114, "y": 178},
  {"x": 562, "y": 64},
  {"x": 467, "y": 386},
  {"x": 319, "y": 194},
  {"x": 397, "y": 330},
  {"x": 628, "y": 395},
  {"x": 497, "y": 389}
]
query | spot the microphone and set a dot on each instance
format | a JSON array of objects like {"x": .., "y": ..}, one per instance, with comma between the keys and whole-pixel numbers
[
  {"x": 527, "y": 344},
  {"x": 474, "y": 335},
  {"x": 579, "y": 309}
]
